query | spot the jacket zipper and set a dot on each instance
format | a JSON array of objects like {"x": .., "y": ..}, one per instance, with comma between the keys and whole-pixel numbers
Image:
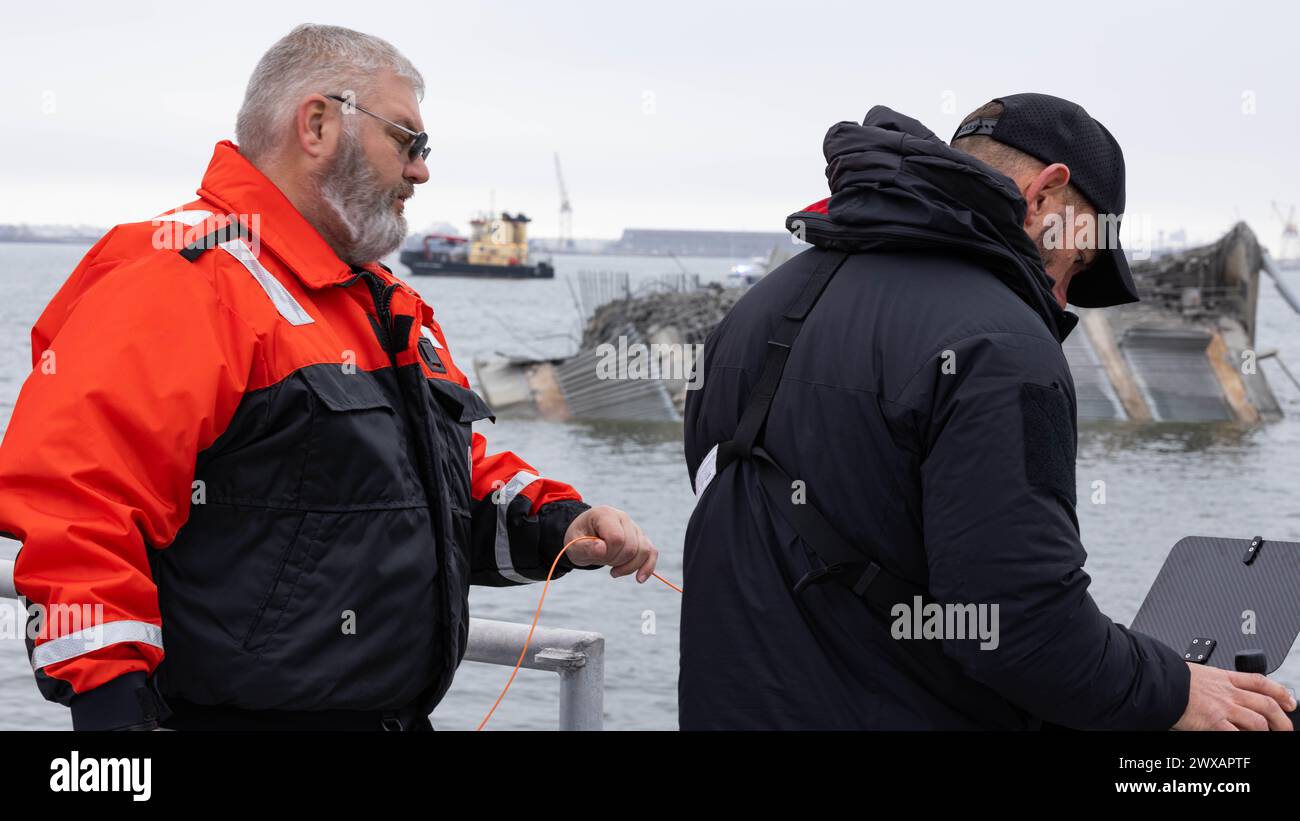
[
  {"x": 382, "y": 297},
  {"x": 428, "y": 465}
]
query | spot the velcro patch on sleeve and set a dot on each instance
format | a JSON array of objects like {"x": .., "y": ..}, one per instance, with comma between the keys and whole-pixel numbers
[{"x": 1049, "y": 439}]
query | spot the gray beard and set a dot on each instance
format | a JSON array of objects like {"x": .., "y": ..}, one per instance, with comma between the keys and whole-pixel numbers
[{"x": 359, "y": 223}]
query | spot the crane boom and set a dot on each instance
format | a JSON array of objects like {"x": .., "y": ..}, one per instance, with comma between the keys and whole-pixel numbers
[
  {"x": 559, "y": 178},
  {"x": 565, "y": 237}
]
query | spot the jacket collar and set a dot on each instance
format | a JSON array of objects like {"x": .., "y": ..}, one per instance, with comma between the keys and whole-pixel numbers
[
  {"x": 237, "y": 187},
  {"x": 895, "y": 184}
]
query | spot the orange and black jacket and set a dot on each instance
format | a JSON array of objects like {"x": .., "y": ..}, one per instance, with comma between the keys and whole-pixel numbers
[{"x": 243, "y": 475}]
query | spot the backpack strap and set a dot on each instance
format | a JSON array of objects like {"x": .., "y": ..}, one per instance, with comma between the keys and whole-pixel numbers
[
  {"x": 754, "y": 417},
  {"x": 852, "y": 566},
  {"x": 846, "y": 564}
]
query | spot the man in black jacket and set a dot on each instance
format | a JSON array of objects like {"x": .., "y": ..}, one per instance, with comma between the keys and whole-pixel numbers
[{"x": 924, "y": 419}]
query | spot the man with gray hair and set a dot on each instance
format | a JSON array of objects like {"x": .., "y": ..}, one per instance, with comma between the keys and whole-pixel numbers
[{"x": 245, "y": 436}]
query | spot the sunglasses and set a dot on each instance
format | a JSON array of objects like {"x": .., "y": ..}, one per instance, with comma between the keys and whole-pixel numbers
[{"x": 419, "y": 145}]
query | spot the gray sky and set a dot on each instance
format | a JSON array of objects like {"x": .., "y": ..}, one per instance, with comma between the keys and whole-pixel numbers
[{"x": 665, "y": 114}]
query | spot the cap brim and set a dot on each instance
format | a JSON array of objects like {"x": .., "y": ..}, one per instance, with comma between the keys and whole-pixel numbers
[{"x": 1108, "y": 282}]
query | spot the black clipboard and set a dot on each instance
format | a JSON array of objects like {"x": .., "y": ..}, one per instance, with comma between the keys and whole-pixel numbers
[{"x": 1217, "y": 599}]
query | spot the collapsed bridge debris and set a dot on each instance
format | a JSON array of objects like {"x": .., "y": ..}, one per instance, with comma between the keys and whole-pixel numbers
[{"x": 1184, "y": 353}]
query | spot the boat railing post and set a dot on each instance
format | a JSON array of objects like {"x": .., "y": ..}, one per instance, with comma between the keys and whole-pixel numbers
[
  {"x": 577, "y": 655},
  {"x": 8, "y": 555},
  {"x": 7, "y": 590}
]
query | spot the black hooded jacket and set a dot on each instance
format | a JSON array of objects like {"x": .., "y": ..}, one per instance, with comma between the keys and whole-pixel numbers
[{"x": 926, "y": 409}]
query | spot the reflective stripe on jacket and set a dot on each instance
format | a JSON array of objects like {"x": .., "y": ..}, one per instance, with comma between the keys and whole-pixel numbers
[{"x": 248, "y": 474}]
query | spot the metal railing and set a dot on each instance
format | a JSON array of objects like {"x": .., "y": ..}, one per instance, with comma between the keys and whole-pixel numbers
[
  {"x": 7, "y": 579},
  {"x": 577, "y": 655}
]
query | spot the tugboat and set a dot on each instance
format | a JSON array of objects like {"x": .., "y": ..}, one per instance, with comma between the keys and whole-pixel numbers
[{"x": 495, "y": 248}]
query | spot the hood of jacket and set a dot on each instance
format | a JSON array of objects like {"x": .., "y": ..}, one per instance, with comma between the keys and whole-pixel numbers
[{"x": 895, "y": 185}]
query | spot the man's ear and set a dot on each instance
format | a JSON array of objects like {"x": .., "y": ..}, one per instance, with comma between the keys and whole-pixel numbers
[
  {"x": 1047, "y": 184},
  {"x": 315, "y": 129}
]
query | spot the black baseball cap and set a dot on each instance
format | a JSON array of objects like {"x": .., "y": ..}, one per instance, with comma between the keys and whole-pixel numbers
[{"x": 1055, "y": 130}]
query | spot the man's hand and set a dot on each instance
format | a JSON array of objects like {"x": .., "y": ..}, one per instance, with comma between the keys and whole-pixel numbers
[
  {"x": 1227, "y": 700},
  {"x": 619, "y": 543}
]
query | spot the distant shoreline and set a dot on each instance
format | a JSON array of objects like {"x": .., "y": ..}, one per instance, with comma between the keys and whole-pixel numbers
[{"x": 50, "y": 240}]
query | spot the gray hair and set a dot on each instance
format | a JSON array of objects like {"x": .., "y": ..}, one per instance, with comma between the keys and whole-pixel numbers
[{"x": 311, "y": 59}]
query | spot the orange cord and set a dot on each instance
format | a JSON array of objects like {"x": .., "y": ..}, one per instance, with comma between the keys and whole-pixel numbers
[{"x": 537, "y": 616}]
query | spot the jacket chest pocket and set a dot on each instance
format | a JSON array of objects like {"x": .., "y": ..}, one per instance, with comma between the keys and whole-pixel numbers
[
  {"x": 359, "y": 453},
  {"x": 460, "y": 408}
]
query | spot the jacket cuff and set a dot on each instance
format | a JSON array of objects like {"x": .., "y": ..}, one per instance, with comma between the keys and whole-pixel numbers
[
  {"x": 1169, "y": 683},
  {"x": 128, "y": 702},
  {"x": 555, "y": 519}
]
